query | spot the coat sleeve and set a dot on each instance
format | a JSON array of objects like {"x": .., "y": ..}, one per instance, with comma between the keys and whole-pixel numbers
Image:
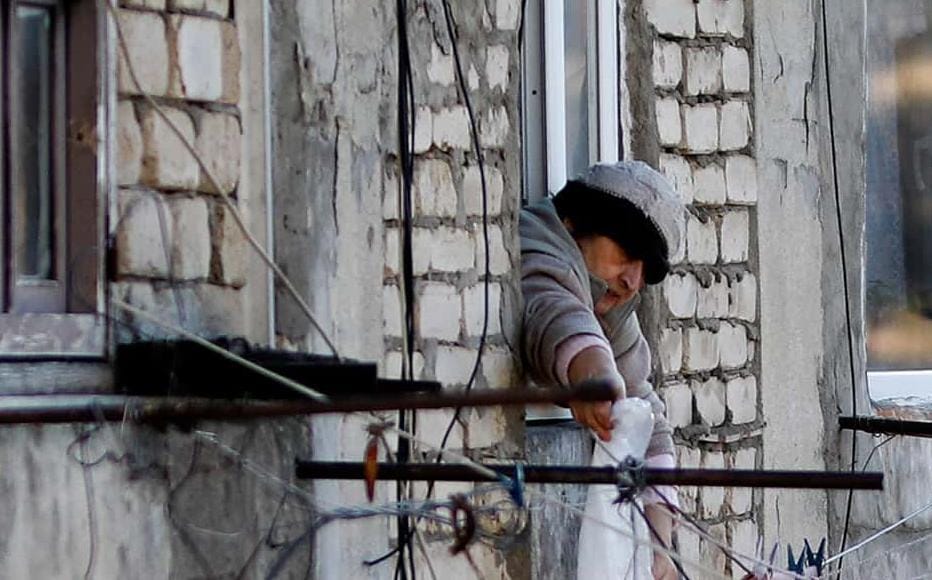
[
  {"x": 632, "y": 356},
  {"x": 554, "y": 311}
]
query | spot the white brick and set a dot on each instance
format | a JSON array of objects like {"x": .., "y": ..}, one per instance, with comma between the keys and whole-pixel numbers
[
  {"x": 129, "y": 145},
  {"x": 688, "y": 458},
  {"x": 219, "y": 141},
  {"x": 391, "y": 365},
  {"x": 494, "y": 128},
  {"x": 432, "y": 425},
  {"x": 166, "y": 163},
  {"x": 701, "y": 127},
  {"x": 454, "y": 365},
  {"x": 472, "y": 190},
  {"x": 741, "y": 500},
  {"x": 473, "y": 78},
  {"x": 199, "y": 47},
  {"x": 687, "y": 544},
  {"x": 736, "y": 126},
  {"x": 422, "y": 250},
  {"x": 677, "y": 170},
  {"x": 744, "y": 537},
  {"x": 392, "y": 264},
  {"x": 712, "y": 497},
  {"x": 451, "y": 128},
  {"x": 441, "y": 68},
  {"x": 474, "y": 307},
  {"x": 390, "y": 195},
  {"x": 703, "y": 71},
  {"x": 701, "y": 350},
  {"x": 719, "y": 17},
  {"x": 498, "y": 368},
  {"x": 733, "y": 345},
  {"x": 497, "y": 59},
  {"x": 743, "y": 300},
  {"x": 742, "y": 399},
  {"x": 439, "y": 311},
  {"x": 485, "y": 428},
  {"x": 669, "y": 125},
  {"x": 391, "y": 311},
  {"x": 451, "y": 250},
  {"x": 423, "y": 129},
  {"x": 147, "y": 45},
  {"x": 673, "y": 17},
  {"x": 735, "y": 236},
  {"x": 710, "y": 401},
  {"x": 667, "y": 64},
  {"x": 671, "y": 350},
  {"x": 741, "y": 179},
  {"x": 736, "y": 69},
  {"x": 680, "y": 294},
  {"x": 745, "y": 458},
  {"x": 713, "y": 301},
  {"x": 709, "y": 184},
  {"x": 142, "y": 249},
  {"x": 701, "y": 241},
  {"x": 679, "y": 402},
  {"x": 507, "y": 14},
  {"x": 434, "y": 193},
  {"x": 190, "y": 238},
  {"x": 499, "y": 260},
  {"x": 231, "y": 255}
]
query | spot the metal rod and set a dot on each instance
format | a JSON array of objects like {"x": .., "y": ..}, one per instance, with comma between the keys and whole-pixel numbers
[
  {"x": 883, "y": 425},
  {"x": 597, "y": 475},
  {"x": 64, "y": 409}
]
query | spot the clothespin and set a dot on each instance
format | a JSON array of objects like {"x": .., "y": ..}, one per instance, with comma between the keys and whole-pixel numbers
[
  {"x": 515, "y": 486},
  {"x": 463, "y": 529},
  {"x": 629, "y": 479},
  {"x": 794, "y": 565},
  {"x": 815, "y": 560},
  {"x": 370, "y": 467}
]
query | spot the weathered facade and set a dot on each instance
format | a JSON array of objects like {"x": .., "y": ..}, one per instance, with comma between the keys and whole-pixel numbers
[{"x": 754, "y": 110}]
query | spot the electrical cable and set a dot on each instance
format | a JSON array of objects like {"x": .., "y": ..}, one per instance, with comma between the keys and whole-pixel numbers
[{"x": 844, "y": 270}]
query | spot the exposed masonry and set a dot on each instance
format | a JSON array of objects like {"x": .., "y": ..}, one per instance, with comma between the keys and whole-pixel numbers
[
  {"x": 176, "y": 248},
  {"x": 708, "y": 348},
  {"x": 449, "y": 251}
]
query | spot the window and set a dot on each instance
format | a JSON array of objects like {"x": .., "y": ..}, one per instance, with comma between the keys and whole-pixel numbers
[
  {"x": 899, "y": 199},
  {"x": 570, "y": 90},
  {"x": 49, "y": 179}
]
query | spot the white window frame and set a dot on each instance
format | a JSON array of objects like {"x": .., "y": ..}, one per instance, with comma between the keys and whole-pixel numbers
[{"x": 544, "y": 118}]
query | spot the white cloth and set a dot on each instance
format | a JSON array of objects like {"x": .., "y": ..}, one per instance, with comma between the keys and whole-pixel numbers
[{"x": 607, "y": 552}]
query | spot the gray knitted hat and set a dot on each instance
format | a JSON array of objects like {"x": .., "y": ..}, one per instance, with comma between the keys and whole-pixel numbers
[{"x": 648, "y": 190}]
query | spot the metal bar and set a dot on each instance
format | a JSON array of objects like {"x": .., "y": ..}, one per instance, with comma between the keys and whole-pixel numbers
[
  {"x": 63, "y": 409},
  {"x": 597, "y": 475},
  {"x": 870, "y": 424}
]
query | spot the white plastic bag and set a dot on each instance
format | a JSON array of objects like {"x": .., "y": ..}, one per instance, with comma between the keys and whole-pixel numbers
[{"x": 604, "y": 553}]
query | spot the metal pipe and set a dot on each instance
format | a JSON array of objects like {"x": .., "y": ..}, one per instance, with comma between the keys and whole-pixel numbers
[
  {"x": 597, "y": 475},
  {"x": 870, "y": 424},
  {"x": 64, "y": 409}
]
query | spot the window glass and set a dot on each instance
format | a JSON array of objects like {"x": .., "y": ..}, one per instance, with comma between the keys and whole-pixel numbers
[
  {"x": 32, "y": 189},
  {"x": 576, "y": 63},
  {"x": 899, "y": 186}
]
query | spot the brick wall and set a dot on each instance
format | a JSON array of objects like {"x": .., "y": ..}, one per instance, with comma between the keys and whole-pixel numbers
[
  {"x": 708, "y": 342},
  {"x": 177, "y": 251}
]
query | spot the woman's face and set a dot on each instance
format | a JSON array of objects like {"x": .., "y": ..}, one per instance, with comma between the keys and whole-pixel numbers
[{"x": 607, "y": 260}]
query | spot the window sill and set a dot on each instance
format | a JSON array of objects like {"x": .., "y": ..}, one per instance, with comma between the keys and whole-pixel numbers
[{"x": 52, "y": 336}]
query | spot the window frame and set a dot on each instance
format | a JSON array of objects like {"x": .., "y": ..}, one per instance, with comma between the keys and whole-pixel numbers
[
  {"x": 543, "y": 75},
  {"x": 62, "y": 320}
]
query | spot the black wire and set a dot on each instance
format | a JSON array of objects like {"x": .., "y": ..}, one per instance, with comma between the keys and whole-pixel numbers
[{"x": 844, "y": 274}]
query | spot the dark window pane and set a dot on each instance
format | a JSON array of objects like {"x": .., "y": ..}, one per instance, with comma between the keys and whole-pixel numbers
[
  {"x": 899, "y": 186},
  {"x": 576, "y": 64},
  {"x": 33, "y": 195}
]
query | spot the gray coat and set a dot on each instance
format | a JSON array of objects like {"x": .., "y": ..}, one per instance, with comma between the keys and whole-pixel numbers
[{"x": 559, "y": 304}]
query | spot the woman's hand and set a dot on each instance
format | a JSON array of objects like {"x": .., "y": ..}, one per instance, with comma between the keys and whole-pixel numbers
[
  {"x": 595, "y": 363},
  {"x": 662, "y": 567}
]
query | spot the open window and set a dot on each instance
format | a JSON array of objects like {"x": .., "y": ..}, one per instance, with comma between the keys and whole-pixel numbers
[
  {"x": 50, "y": 180},
  {"x": 899, "y": 199},
  {"x": 569, "y": 90}
]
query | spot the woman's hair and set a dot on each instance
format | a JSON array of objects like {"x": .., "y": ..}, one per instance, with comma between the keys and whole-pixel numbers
[{"x": 591, "y": 212}]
